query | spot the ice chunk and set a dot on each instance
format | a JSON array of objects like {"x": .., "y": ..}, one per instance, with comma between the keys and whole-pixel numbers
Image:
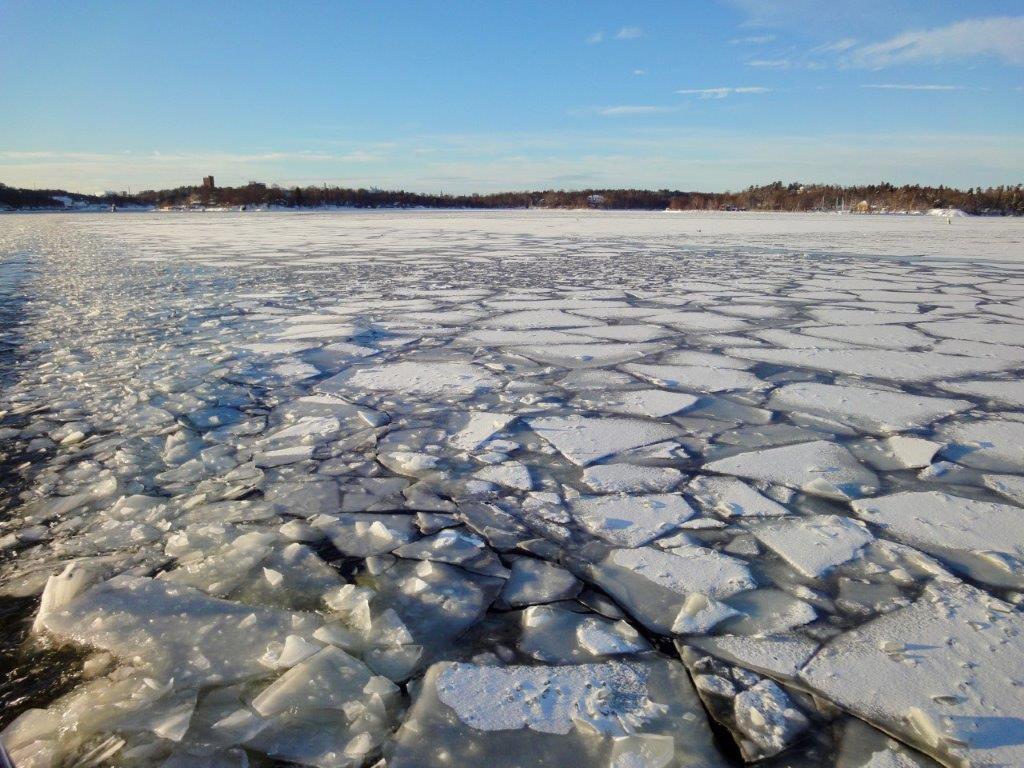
[
  {"x": 630, "y": 478},
  {"x": 585, "y": 355},
  {"x": 876, "y": 363},
  {"x": 898, "y": 452},
  {"x": 517, "y": 338},
  {"x": 362, "y": 534},
  {"x": 697, "y": 378},
  {"x": 510, "y": 474},
  {"x": 305, "y": 499},
  {"x": 862, "y": 746},
  {"x": 283, "y": 456},
  {"x": 537, "y": 318},
  {"x": 655, "y": 403},
  {"x": 585, "y": 440},
  {"x": 414, "y": 378},
  {"x": 630, "y": 521},
  {"x": 730, "y": 497},
  {"x": 410, "y": 463},
  {"x": 819, "y": 467},
  {"x": 874, "y": 410},
  {"x": 643, "y": 751},
  {"x": 1008, "y": 392},
  {"x": 687, "y": 569},
  {"x": 579, "y": 716},
  {"x": 176, "y": 631},
  {"x": 602, "y": 637},
  {"x": 1009, "y": 486},
  {"x": 690, "y": 357},
  {"x": 481, "y": 427},
  {"x": 590, "y": 379},
  {"x": 329, "y": 679},
  {"x": 781, "y": 656},
  {"x": 950, "y": 666},
  {"x": 654, "y": 584},
  {"x": 814, "y": 545},
  {"x": 635, "y": 333},
  {"x": 699, "y": 614},
  {"x": 61, "y": 589},
  {"x": 991, "y": 445},
  {"x": 447, "y": 546},
  {"x": 889, "y": 336},
  {"x": 973, "y": 329},
  {"x": 984, "y": 539},
  {"x": 559, "y": 635},
  {"x": 767, "y": 719},
  {"x": 436, "y": 602},
  {"x": 766, "y": 612},
  {"x": 535, "y": 581},
  {"x": 296, "y": 649}
]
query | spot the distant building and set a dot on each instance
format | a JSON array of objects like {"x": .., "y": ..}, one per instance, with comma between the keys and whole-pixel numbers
[
  {"x": 208, "y": 182},
  {"x": 595, "y": 201}
]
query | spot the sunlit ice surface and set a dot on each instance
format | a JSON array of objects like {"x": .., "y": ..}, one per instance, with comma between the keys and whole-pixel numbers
[{"x": 511, "y": 489}]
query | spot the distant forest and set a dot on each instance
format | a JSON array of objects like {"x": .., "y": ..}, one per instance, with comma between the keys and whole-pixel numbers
[{"x": 879, "y": 198}]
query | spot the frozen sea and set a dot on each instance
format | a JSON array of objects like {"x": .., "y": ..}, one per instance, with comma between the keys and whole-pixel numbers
[{"x": 514, "y": 489}]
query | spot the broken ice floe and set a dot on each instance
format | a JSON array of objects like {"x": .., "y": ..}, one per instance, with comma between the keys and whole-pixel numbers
[{"x": 315, "y": 496}]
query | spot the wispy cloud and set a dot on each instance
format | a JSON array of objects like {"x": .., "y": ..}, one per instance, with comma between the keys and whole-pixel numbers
[
  {"x": 770, "y": 63},
  {"x": 633, "y": 109},
  {"x": 752, "y": 40},
  {"x": 912, "y": 87},
  {"x": 639, "y": 72},
  {"x": 644, "y": 156},
  {"x": 1001, "y": 38},
  {"x": 629, "y": 33},
  {"x": 838, "y": 46},
  {"x": 721, "y": 93},
  {"x": 624, "y": 33}
]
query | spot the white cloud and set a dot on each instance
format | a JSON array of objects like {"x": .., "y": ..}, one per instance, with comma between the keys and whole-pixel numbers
[
  {"x": 633, "y": 109},
  {"x": 639, "y": 72},
  {"x": 721, "y": 93},
  {"x": 912, "y": 87},
  {"x": 1001, "y": 38},
  {"x": 595, "y": 37}
]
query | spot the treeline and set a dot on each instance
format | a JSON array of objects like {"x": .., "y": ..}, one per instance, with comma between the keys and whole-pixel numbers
[
  {"x": 769, "y": 197},
  {"x": 14, "y": 197},
  {"x": 1002, "y": 200}
]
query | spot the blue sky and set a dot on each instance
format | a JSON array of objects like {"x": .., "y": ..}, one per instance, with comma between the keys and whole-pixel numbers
[{"x": 464, "y": 96}]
